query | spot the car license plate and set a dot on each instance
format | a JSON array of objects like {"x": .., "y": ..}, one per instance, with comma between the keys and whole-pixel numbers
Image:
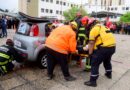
[{"x": 17, "y": 43}]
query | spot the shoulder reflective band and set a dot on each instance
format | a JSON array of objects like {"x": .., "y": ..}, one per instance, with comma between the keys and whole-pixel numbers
[
  {"x": 4, "y": 56},
  {"x": 3, "y": 63},
  {"x": 82, "y": 28},
  {"x": 82, "y": 35}
]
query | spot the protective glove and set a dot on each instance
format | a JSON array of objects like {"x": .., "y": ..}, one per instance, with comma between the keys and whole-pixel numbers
[{"x": 85, "y": 48}]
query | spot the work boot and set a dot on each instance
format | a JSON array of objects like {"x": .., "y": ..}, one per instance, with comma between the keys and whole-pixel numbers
[
  {"x": 50, "y": 77},
  {"x": 109, "y": 76},
  {"x": 91, "y": 83},
  {"x": 70, "y": 78}
]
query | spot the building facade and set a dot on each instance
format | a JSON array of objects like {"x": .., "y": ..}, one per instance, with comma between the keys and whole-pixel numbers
[
  {"x": 41, "y": 8},
  {"x": 115, "y": 6}
]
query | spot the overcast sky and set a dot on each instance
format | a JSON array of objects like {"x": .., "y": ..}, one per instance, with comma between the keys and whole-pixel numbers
[
  {"x": 12, "y": 5},
  {"x": 9, "y": 4}
]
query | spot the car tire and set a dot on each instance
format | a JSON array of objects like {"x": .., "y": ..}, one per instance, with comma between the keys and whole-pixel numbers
[{"x": 42, "y": 60}]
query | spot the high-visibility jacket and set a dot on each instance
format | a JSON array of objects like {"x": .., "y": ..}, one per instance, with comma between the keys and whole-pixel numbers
[
  {"x": 102, "y": 36},
  {"x": 82, "y": 34},
  {"x": 62, "y": 39},
  {"x": 7, "y": 54}
]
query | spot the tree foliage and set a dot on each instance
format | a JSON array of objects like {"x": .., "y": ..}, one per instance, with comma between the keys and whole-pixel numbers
[
  {"x": 125, "y": 18},
  {"x": 71, "y": 13}
]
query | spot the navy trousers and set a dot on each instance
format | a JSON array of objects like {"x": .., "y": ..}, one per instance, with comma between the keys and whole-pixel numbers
[{"x": 103, "y": 54}]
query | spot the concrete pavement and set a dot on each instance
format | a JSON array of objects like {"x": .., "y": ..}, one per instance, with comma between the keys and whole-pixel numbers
[{"x": 32, "y": 78}]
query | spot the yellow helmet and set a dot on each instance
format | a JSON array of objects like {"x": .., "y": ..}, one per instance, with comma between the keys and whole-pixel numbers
[{"x": 75, "y": 25}]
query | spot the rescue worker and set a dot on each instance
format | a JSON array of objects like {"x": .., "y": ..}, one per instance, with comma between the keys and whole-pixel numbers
[
  {"x": 101, "y": 48},
  {"x": 83, "y": 38},
  {"x": 9, "y": 58},
  {"x": 59, "y": 44}
]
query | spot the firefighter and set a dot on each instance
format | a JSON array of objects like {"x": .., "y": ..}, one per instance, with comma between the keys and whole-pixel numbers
[
  {"x": 9, "y": 58},
  {"x": 101, "y": 48},
  {"x": 59, "y": 44},
  {"x": 83, "y": 35}
]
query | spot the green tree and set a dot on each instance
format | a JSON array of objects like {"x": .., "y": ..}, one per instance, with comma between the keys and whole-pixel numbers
[
  {"x": 71, "y": 13},
  {"x": 125, "y": 18}
]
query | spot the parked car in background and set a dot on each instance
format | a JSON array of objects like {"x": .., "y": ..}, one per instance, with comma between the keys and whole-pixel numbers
[{"x": 30, "y": 37}]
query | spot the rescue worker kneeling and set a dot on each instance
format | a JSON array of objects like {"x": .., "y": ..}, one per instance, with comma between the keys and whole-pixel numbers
[
  {"x": 9, "y": 58},
  {"x": 59, "y": 44}
]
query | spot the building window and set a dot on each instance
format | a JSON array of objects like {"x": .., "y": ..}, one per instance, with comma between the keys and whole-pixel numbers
[
  {"x": 60, "y": 12},
  {"x": 111, "y": 9},
  {"x": 57, "y": 12},
  {"x": 123, "y": 8},
  {"x": 42, "y": 9},
  {"x": 51, "y": 11},
  {"x": 115, "y": 8},
  {"x": 47, "y": 10},
  {"x": 60, "y": 2},
  {"x": 47, "y": 0},
  {"x": 64, "y": 3},
  {"x": 28, "y": 0},
  {"x": 57, "y": 2},
  {"x": 51, "y": 1},
  {"x": 108, "y": 9},
  {"x": 71, "y": 5},
  {"x": 43, "y": 0},
  {"x": 127, "y": 8},
  {"x": 68, "y": 4}
]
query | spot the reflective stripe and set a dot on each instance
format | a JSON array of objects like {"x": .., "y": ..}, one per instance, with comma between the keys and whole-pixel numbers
[
  {"x": 88, "y": 67},
  {"x": 83, "y": 35},
  {"x": 82, "y": 28},
  {"x": 10, "y": 60},
  {"x": 4, "y": 56},
  {"x": 4, "y": 68},
  {"x": 3, "y": 63},
  {"x": 95, "y": 75},
  {"x": 108, "y": 70}
]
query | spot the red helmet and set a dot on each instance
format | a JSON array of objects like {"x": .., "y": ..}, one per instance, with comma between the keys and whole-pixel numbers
[{"x": 85, "y": 20}]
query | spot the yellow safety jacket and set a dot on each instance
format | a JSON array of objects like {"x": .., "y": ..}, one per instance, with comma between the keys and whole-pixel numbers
[{"x": 102, "y": 36}]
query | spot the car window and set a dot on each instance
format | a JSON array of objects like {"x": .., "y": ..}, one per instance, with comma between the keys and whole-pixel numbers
[{"x": 23, "y": 28}]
